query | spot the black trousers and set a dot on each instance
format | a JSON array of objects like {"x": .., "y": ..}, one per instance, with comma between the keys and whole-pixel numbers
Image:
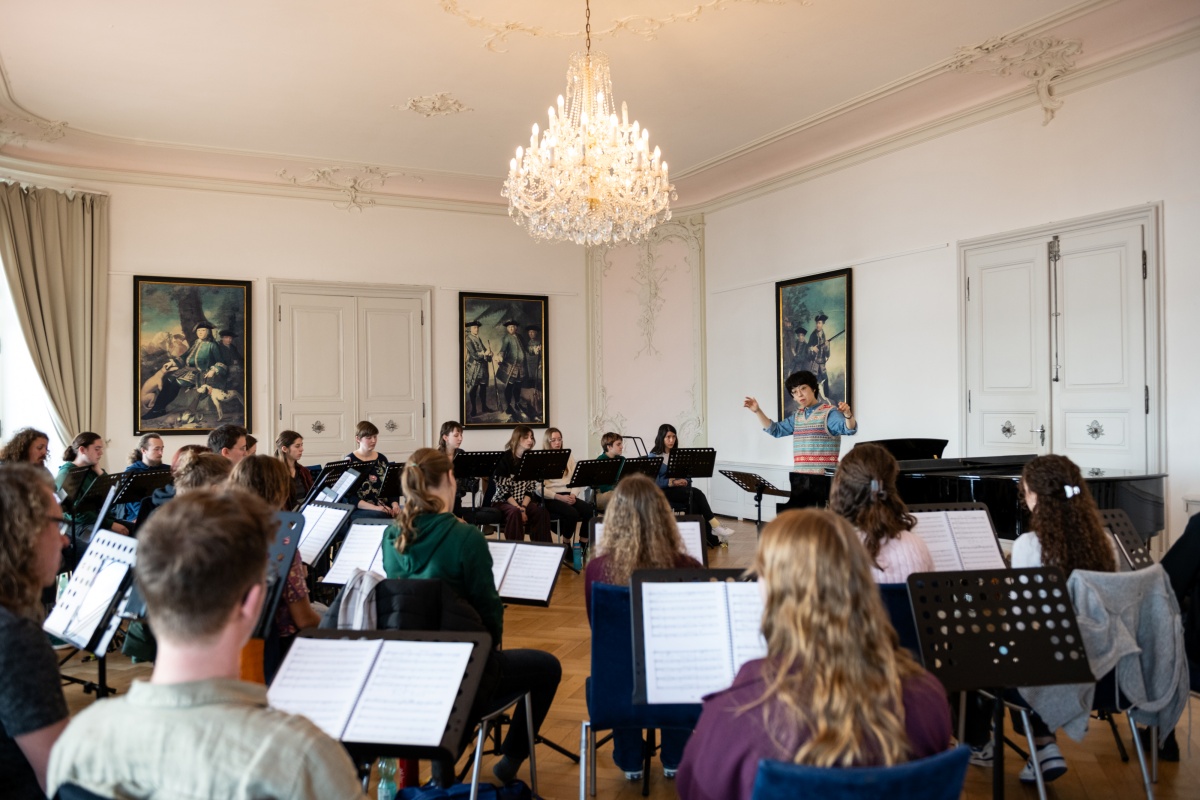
[{"x": 572, "y": 515}]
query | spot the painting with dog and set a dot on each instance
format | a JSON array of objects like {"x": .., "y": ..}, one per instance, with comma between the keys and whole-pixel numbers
[{"x": 192, "y": 358}]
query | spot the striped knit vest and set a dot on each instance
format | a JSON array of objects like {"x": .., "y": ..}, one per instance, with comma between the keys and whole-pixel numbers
[{"x": 813, "y": 447}]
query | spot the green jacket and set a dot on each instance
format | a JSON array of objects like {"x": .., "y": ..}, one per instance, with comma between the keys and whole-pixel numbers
[{"x": 451, "y": 551}]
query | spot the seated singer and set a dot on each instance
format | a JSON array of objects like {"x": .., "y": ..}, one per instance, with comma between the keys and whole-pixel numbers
[
  {"x": 679, "y": 491},
  {"x": 518, "y": 500},
  {"x": 816, "y": 428},
  {"x": 564, "y": 503}
]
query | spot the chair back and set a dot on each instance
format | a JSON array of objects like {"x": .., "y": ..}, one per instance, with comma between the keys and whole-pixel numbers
[
  {"x": 937, "y": 777},
  {"x": 610, "y": 688},
  {"x": 899, "y": 608}
]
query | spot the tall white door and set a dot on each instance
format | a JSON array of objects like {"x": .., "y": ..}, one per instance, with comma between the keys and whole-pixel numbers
[
  {"x": 318, "y": 373},
  {"x": 345, "y": 358},
  {"x": 1098, "y": 388},
  {"x": 1008, "y": 338},
  {"x": 1056, "y": 347},
  {"x": 390, "y": 372}
]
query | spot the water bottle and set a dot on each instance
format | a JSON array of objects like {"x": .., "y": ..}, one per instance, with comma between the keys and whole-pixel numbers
[
  {"x": 577, "y": 556},
  {"x": 387, "y": 779}
]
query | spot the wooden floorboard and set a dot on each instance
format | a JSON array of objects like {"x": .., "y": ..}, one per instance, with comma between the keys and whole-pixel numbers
[{"x": 1096, "y": 772}]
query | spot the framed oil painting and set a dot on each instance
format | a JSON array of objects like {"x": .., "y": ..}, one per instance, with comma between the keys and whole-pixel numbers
[
  {"x": 814, "y": 332},
  {"x": 191, "y": 362},
  {"x": 505, "y": 365}
]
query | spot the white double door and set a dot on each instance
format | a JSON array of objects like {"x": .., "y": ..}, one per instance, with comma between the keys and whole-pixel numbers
[
  {"x": 1057, "y": 347},
  {"x": 349, "y": 357}
]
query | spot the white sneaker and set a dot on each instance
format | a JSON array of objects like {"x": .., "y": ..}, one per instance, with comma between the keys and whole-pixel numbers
[
  {"x": 722, "y": 533},
  {"x": 1050, "y": 760},
  {"x": 983, "y": 756}
]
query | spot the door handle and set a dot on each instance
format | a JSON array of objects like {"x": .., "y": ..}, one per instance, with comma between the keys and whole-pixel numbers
[{"x": 1041, "y": 431}]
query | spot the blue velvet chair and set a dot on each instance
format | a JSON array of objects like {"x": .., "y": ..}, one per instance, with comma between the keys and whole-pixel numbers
[
  {"x": 610, "y": 688},
  {"x": 899, "y": 608},
  {"x": 938, "y": 777}
]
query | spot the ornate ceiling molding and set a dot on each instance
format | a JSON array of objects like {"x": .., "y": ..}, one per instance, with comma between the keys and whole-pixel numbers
[
  {"x": 434, "y": 105},
  {"x": 1042, "y": 59},
  {"x": 353, "y": 186},
  {"x": 634, "y": 24},
  {"x": 46, "y": 130}
]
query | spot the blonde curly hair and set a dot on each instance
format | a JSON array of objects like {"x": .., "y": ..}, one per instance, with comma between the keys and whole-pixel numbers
[
  {"x": 639, "y": 531},
  {"x": 26, "y": 503}
]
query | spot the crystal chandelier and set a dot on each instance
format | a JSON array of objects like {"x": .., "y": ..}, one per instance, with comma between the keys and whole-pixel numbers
[{"x": 591, "y": 177}]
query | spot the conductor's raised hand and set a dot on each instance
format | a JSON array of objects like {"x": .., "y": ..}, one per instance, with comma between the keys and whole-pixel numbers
[
  {"x": 751, "y": 404},
  {"x": 844, "y": 407}
]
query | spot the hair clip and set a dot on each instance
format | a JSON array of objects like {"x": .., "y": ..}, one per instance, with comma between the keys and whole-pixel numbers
[{"x": 1071, "y": 491}]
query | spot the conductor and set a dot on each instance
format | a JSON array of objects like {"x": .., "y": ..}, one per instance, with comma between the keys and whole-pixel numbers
[{"x": 816, "y": 428}]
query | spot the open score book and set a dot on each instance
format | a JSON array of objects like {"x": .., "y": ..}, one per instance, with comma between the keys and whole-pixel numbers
[{"x": 959, "y": 540}]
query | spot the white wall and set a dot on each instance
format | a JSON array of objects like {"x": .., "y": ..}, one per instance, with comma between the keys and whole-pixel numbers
[
  {"x": 187, "y": 233},
  {"x": 1129, "y": 141}
]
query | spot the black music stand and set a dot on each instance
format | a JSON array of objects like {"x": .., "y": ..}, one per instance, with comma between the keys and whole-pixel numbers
[
  {"x": 1129, "y": 541},
  {"x": 327, "y": 477},
  {"x": 279, "y": 563},
  {"x": 689, "y": 463},
  {"x": 480, "y": 464},
  {"x": 642, "y": 465},
  {"x": 998, "y": 629},
  {"x": 137, "y": 486},
  {"x": 92, "y": 500},
  {"x": 756, "y": 485},
  {"x": 541, "y": 465},
  {"x": 596, "y": 472},
  {"x": 389, "y": 487}
]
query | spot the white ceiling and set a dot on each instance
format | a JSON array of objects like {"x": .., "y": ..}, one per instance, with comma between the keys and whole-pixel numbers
[{"x": 315, "y": 81}]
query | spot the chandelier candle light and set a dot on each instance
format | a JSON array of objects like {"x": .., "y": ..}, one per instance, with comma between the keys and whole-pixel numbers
[{"x": 590, "y": 178}]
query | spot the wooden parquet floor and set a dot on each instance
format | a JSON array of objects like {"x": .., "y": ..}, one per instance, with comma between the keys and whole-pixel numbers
[{"x": 1096, "y": 772}]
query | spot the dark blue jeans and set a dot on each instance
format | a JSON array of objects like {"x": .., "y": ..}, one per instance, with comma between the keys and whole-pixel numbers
[{"x": 628, "y": 742}]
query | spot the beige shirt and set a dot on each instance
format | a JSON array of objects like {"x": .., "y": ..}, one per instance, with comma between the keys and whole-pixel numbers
[{"x": 207, "y": 739}]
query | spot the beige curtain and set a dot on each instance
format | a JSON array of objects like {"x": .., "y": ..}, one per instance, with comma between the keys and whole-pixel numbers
[{"x": 55, "y": 253}]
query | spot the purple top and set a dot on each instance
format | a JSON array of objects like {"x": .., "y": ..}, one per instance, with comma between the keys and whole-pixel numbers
[
  {"x": 595, "y": 574},
  {"x": 722, "y": 756}
]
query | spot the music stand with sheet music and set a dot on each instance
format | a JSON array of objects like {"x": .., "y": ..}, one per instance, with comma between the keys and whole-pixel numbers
[
  {"x": 329, "y": 672},
  {"x": 326, "y": 478},
  {"x": 756, "y": 485},
  {"x": 997, "y": 629},
  {"x": 536, "y": 572},
  {"x": 87, "y": 614},
  {"x": 1129, "y": 541},
  {"x": 92, "y": 500},
  {"x": 688, "y": 463},
  {"x": 638, "y": 593},
  {"x": 596, "y": 472},
  {"x": 362, "y": 548},
  {"x": 316, "y": 537},
  {"x": 694, "y": 544},
  {"x": 138, "y": 485},
  {"x": 389, "y": 486}
]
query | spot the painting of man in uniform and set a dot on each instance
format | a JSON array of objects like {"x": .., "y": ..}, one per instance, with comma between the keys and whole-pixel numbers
[
  {"x": 813, "y": 333},
  {"x": 504, "y": 364},
  {"x": 191, "y": 367}
]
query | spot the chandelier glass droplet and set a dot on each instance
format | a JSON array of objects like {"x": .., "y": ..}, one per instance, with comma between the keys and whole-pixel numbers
[{"x": 590, "y": 177}]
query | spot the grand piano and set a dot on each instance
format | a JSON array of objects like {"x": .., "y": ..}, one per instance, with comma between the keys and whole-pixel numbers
[{"x": 995, "y": 481}]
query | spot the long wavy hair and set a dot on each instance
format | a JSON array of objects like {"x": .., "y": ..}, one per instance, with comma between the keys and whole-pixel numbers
[
  {"x": 425, "y": 469},
  {"x": 519, "y": 433},
  {"x": 639, "y": 531},
  {"x": 834, "y": 665},
  {"x": 660, "y": 444},
  {"x": 1069, "y": 528},
  {"x": 864, "y": 492},
  {"x": 16, "y": 450},
  {"x": 264, "y": 476},
  {"x": 26, "y": 502}
]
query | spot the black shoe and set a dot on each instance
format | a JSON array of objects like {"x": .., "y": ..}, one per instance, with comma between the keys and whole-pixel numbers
[
  {"x": 711, "y": 540},
  {"x": 1168, "y": 748}
]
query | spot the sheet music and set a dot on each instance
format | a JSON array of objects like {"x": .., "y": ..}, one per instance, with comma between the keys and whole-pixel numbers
[
  {"x": 106, "y": 548},
  {"x": 320, "y": 523},
  {"x": 361, "y": 549},
  {"x": 693, "y": 539},
  {"x": 745, "y": 623},
  {"x": 686, "y": 635},
  {"x": 502, "y": 553},
  {"x": 410, "y": 693},
  {"x": 343, "y": 484},
  {"x": 322, "y": 678},
  {"x": 934, "y": 528},
  {"x": 975, "y": 539},
  {"x": 531, "y": 573}
]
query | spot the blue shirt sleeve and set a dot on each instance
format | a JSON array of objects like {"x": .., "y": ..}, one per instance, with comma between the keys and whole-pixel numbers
[
  {"x": 836, "y": 424},
  {"x": 785, "y": 427}
]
